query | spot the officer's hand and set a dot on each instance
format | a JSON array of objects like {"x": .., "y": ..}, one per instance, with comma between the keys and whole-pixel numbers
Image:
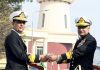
[
  {"x": 44, "y": 58},
  {"x": 52, "y": 58}
]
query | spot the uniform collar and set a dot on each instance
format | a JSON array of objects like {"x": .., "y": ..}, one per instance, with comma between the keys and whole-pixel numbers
[
  {"x": 20, "y": 34},
  {"x": 84, "y": 36}
]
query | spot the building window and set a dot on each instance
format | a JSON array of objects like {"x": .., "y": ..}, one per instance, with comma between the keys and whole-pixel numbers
[
  {"x": 39, "y": 50},
  {"x": 65, "y": 20},
  {"x": 43, "y": 20}
]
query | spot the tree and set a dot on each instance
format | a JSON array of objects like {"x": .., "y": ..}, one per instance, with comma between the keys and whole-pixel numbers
[{"x": 5, "y": 10}]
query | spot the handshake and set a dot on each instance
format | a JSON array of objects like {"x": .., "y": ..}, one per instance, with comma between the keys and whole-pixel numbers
[
  {"x": 42, "y": 58},
  {"x": 48, "y": 58},
  {"x": 62, "y": 58},
  {"x": 34, "y": 60}
]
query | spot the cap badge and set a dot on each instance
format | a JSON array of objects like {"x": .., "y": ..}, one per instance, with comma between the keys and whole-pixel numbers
[{"x": 81, "y": 20}]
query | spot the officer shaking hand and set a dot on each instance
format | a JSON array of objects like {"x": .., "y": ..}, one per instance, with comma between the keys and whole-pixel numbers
[
  {"x": 81, "y": 57},
  {"x": 16, "y": 50}
]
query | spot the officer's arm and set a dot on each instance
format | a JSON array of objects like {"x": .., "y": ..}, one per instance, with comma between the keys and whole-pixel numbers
[
  {"x": 37, "y": 58},
  {"x": 88, "y": 47},
  {"x": 64, "y": 58}
]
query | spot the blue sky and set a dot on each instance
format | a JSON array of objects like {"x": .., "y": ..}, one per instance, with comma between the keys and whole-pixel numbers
[{"x": 88, "y": 8}]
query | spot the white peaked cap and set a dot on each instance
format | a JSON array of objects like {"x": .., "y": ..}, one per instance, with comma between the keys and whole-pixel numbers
[
  {"x": 16, "y": 15},
  {"x": 83, "y": 21}
]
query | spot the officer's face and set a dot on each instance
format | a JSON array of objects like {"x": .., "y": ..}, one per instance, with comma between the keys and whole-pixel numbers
[
  {"x": 83, "y": 30},
  {"x": 19, "y": 25}
]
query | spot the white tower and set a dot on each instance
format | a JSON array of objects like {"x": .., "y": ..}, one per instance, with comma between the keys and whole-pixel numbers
[
  {"x": 54, "y": 15},
  {"x": 53, "y": 34}
]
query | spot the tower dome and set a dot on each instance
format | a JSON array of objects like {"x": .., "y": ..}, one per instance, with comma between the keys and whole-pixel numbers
[{"x": 67, "y": 1}]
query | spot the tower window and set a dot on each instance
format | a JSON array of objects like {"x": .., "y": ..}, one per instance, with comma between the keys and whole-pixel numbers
[
  {"x": 43, "y": 20},
  {"x": 65, "y": 20}
]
